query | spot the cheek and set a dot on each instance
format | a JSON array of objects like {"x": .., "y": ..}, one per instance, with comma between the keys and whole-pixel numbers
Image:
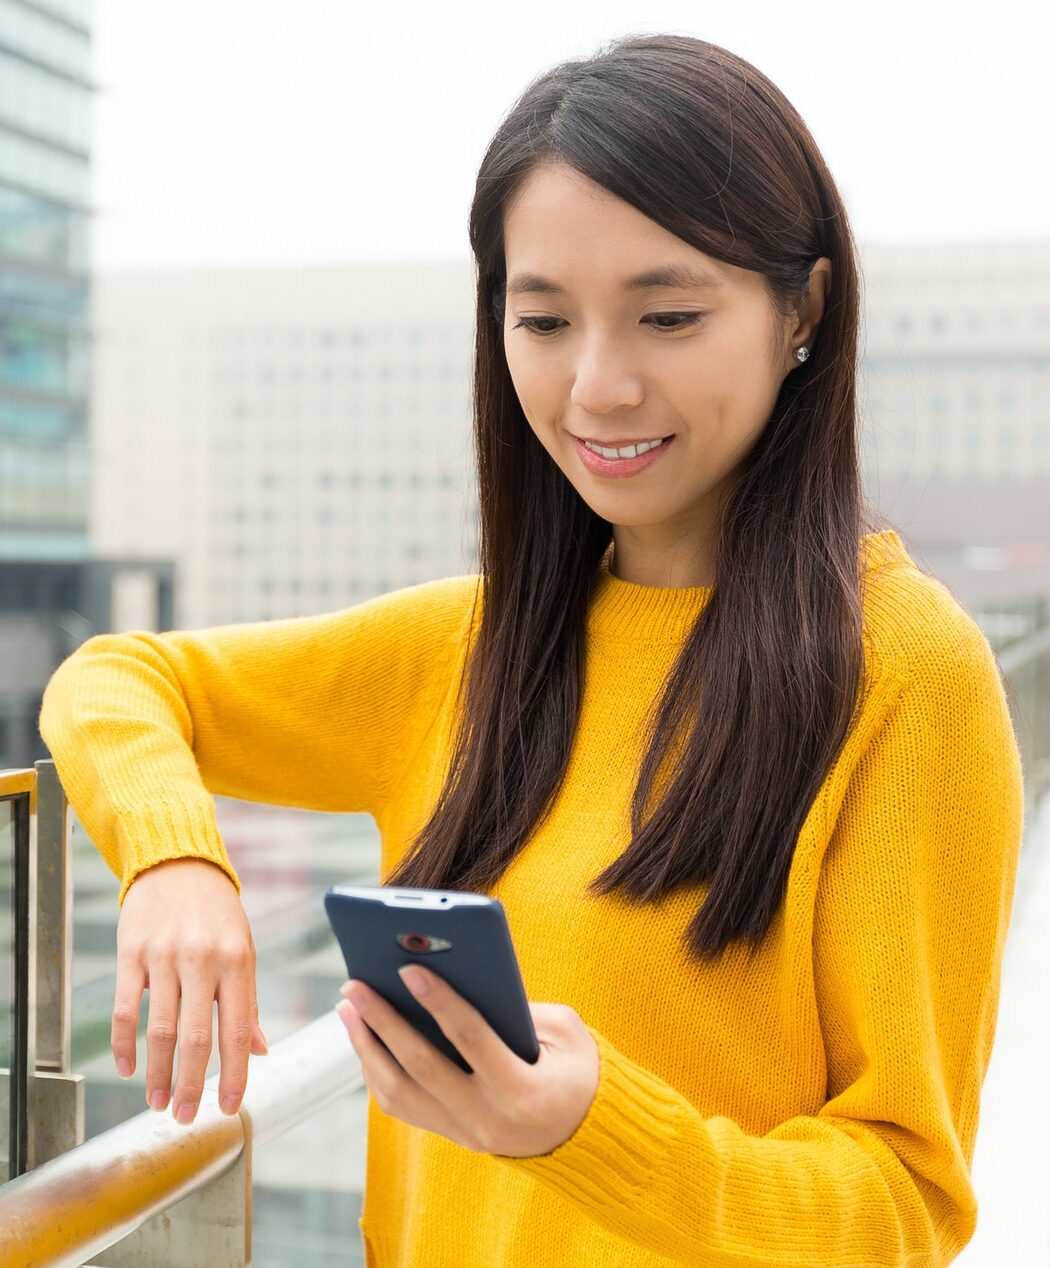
[
  {"x": 537, "y": 394},
  {"x": 723, "y": 400}
]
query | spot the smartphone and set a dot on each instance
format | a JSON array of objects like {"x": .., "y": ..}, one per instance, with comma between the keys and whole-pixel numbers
[{"x": 463, "y": 937}]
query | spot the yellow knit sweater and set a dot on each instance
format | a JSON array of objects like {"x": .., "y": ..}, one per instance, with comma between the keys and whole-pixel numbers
[{"x": 816, "y": 1106}]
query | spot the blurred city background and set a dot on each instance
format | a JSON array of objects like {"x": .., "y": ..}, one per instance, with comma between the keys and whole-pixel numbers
[{"x": 236, "y": 322}]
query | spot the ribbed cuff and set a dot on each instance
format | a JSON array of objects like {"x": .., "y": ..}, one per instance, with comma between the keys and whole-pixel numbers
[
  {"x": 626, "y": 1136},
  {"x": 156, "y": 832}
]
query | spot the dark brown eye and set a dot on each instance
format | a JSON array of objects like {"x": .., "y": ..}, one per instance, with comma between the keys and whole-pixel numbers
[
  {"x": 684, "y": 319},
  {"x": 527, "y": 323}
]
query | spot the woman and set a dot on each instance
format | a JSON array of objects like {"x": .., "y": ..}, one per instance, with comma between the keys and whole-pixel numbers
[{"x": 743, "y": 776}]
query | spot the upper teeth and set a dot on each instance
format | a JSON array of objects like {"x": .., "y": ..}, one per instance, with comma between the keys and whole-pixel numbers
[{"x": 630, "y": 451}]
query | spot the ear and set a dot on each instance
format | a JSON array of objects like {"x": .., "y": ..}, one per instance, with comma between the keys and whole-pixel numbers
[{"x": 807, "y": 318}]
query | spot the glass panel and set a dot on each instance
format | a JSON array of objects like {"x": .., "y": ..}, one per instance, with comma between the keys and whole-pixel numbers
[
  {"x": 40, "y": 169},
  {"x": 44, "y": 483},
  {"x": 44, "y": 104},
  {"x": 305, "y": 1211},
  {"x": 41, "y": 232},
  {"x": 1005, "y": 623},
  {"x": 7, "y": 981},
  {"x": 39, "y": 36}
]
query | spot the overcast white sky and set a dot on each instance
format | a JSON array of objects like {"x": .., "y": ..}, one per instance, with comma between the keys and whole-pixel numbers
[{"x": 278, "y": 131}]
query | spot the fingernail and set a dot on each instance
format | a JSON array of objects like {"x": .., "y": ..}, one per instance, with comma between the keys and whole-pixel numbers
[
  {"x": 414, "y": 978},
  {"x": 184, "y": 1112},
  {"x": 124, "y": 1067},
  {"x": 228, "y": 1104},
  {"x": 158, "y": 1099}
]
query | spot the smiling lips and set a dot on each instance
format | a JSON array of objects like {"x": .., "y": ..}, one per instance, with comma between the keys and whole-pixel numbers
[
  {"x": 626, "y": 460},
  {"x": 625, "y": 449}
]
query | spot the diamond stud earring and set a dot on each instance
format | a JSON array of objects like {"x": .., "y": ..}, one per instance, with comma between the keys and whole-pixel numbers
[{"x": 801, "y": 353}]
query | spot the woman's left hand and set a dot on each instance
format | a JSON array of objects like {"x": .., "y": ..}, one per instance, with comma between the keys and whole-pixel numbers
[{"x": 507, "y": 1106}]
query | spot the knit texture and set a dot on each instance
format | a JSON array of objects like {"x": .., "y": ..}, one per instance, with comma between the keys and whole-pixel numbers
[{"x": 816, "y": 1106}]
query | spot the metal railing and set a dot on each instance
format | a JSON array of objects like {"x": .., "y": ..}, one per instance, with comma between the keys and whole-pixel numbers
[
  {"x": 149, "y": 1190},
  {"x": 41, "y": 1100},
  {"x": 1026, "y": 664}
]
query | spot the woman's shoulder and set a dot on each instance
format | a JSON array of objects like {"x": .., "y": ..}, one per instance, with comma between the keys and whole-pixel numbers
[
  {"x": 424, "y": 611},
  {"x": 440, "y": 595},
  {"x": 914, "y": 626}
]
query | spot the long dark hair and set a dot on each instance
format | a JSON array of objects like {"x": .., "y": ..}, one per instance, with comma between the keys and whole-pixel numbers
[{"x": 703, "y": 144}]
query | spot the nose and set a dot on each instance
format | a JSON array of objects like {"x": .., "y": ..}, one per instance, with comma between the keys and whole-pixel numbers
[{"x": 603, "y": 382}]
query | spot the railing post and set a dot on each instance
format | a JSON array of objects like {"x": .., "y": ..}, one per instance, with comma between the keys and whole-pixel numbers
[
  {"x": 54, "y": 933},
  {"x": 42, "y": 1103},
  {"x": 57, "y": 1099},
  {"x": 18, "y": 788}
]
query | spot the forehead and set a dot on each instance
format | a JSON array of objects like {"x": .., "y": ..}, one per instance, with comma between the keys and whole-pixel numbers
[{"x": 560, "y": 227}]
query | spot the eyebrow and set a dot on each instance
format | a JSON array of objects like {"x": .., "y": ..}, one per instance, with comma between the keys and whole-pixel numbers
[{"x": 674, "y": 275}]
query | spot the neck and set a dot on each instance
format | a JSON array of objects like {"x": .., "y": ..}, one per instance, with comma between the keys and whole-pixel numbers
[{"x": 678, "y": 565}]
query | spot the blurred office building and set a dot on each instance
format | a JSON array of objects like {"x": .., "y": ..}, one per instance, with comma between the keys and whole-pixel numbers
[
  {"x": 298, "y": 439},
  {"x": 53, "y": 591},
  {"x": 955, "y": 398},
  {"x": 957, "y": 360}
]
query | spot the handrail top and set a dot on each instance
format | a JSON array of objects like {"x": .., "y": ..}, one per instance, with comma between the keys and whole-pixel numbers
[{"x": 16, "y": 780}]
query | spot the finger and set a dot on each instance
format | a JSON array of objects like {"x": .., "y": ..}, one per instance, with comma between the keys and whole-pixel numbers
[
  {"x": 162, "y": 1025},
  {"x": 195, "y": 1037},
  {"x": 418, "y": 1057},
  {"x": 394, "y": 1090},
  {"x": 236, "y": 1030},
  {"x": 464, "y": 1027},
  {"x": 372, "y": 1053},
  {"x": 260, "y": 1047},
  {"x": 127, "y": 1002}
]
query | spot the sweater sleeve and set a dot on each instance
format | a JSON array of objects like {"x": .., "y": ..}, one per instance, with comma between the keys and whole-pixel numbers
[
  {"x": 315, "y": 711},
  {"x": 910, "y": 919}
]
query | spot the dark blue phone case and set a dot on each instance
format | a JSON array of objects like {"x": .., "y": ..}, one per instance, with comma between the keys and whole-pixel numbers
[{"x": 463, "y": 937}]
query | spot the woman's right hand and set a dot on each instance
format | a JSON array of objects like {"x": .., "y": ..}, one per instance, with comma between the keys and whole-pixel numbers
[{"x": 184, "y": 935}]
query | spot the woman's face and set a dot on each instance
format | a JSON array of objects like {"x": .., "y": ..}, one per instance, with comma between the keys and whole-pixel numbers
[{"x": 690, "y": 363}]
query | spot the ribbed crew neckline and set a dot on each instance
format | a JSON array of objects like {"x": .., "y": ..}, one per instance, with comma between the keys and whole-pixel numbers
[{"x": 628, "y": 610}]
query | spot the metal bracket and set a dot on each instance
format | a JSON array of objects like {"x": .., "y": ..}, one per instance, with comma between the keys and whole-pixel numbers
[{"x": 56, "y": 1115}]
